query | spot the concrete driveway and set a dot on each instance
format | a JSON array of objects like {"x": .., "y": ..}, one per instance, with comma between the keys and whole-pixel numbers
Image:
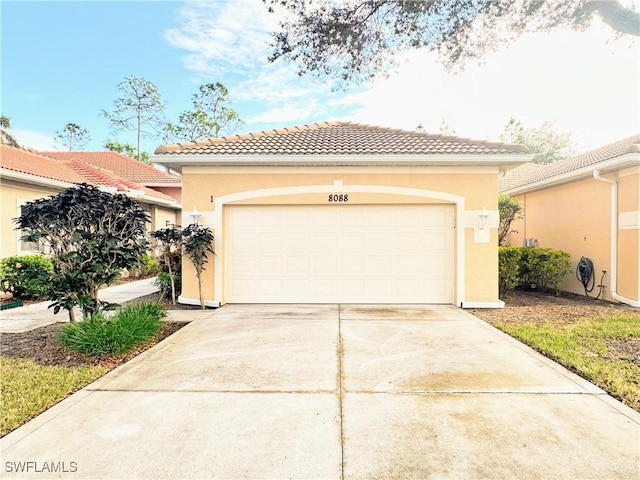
[{"x": 332, "y": 392}]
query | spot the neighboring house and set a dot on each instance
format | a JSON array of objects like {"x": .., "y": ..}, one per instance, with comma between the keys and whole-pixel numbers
[
  {"x": 339, "y": 212},
  {"x": 128, "y": 168},
  {"x": 26, "y": 176},
  {"x": 589, "y": 206}
]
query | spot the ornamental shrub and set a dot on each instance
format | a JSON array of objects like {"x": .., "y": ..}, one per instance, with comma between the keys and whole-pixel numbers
[
  {"x": 147, "y": 266},
  {"x": 541, "y": 268},
  {"x": 508, "y": 268},
  {"x": 100, "y": 336},
  {"x": 26, "y": 277}
]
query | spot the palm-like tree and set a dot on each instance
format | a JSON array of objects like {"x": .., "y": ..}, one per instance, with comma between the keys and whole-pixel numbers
[{"x": 6, "y": 137}]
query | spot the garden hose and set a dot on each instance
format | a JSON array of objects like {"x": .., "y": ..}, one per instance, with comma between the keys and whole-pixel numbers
[{"x": 584, "y": 273}]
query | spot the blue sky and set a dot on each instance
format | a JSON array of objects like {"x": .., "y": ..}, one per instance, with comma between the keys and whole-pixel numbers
[{"x": 62, "y": 62}]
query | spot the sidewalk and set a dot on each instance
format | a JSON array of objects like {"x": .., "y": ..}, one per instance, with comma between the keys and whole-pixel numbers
[{"x": 28, "y": 317}]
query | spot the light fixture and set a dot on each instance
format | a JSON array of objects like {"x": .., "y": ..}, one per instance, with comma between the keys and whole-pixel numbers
[
  {"x": 195, "y": 215},
  {"x": 167, "y": 223},
  {"x": 483, "y": 219}
]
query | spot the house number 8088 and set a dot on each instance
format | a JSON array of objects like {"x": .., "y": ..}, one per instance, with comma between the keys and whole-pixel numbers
[{"x": 341, "y": 198}]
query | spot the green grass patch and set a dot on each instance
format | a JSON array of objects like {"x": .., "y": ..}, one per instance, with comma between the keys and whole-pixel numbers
[
  {"x": 29, "y": 388},
  {"x": 586, "y": 348},
  {"x": 101, "y": 336}
]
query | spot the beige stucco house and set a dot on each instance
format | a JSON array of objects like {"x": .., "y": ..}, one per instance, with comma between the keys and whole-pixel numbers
[
  {"x": 339, "y": 212},
  {"x": 27, "y": 175},
  {"x": 589, "y": 206}
]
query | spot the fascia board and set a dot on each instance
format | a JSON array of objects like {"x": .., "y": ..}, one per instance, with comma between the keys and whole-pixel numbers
[
  {"x": 34, "y": 179},
  {"x": 178, "y": 160},
  {"x": 618, "y": 163}
]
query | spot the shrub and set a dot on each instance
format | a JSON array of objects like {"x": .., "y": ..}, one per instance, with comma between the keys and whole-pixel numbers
[
  {"x": 546, "y": 268},
  {"x": 147, "y": 266},
  {"x": 508, "y": 267},
  {"x": 27, "y": 276},
  {"x": 541, "y": 268},
  {"x": 100, "y": 336},
  {"x": 164, "y": 282}
]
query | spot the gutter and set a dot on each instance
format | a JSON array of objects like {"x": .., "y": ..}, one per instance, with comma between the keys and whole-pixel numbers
[{"x": 613, "y": 291}]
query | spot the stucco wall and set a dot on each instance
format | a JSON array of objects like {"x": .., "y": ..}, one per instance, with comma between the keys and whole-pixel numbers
[
  {"x": 475, "y": 186},
  {"x": 576, "y": 217},
  {"x": 12, "y": 195}
]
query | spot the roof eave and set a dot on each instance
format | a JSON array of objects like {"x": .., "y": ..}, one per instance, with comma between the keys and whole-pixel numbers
[
  {"x": 607, "y": 166},
  {"x": 34, "y": 179},
  {"x": 177, "y": 161}
]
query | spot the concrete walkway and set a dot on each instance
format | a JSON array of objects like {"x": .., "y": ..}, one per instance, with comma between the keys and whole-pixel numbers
[
  {"x": 28, "y": 317},
  {"x": 332, "y": 392}
]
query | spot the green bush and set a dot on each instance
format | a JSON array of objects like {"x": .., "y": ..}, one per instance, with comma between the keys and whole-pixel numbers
[
  {"x": 508, "y": 267},
  {"x": 100, "y": 336},
  {"x": 147, "y": 266},
  {"x": 27, "y": 276},
  {"x": 164, "y": 282},
  {"x": 541, "y": 268}
]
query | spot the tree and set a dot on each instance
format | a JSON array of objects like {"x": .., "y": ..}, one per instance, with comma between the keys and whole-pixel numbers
[
  {"x": 357, "y": 39},
  {"x": 510, "y": 210},
  {"x": 73, "y": 137},
  {"x": 546, "y": 143},
  {"x": 91, "y": 236},
  {"x": 445, "y": 129},
  {"x": 169, "y": 242},
  {"x": 139, "y": 108},
  {"x": 6, "y": 137},
  {"x": 197, "y": 243},
  {"x": 212, "y": 115},
  {"x": 126, "y": 149}
]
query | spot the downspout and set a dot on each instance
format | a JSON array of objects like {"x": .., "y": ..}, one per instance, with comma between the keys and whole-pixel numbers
[{"x": 613, "y": 291}]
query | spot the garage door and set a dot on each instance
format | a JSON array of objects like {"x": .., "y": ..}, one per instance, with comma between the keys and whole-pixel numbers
[{"x": 339, "y": 254}]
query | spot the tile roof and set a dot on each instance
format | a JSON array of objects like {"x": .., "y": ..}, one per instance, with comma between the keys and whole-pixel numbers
[
  {"x": 69, "y": 171},
  {"x": 338, "y": 138},
  {"x": 32, "y": 163},
  {"x": 593, "y": 157},
  {"x": 122, "y": 165},
  {"x": 516, "y": 175}
]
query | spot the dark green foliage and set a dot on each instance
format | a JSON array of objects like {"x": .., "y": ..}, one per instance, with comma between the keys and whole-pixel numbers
[
  {"x": 100, "y": 336},
  {"x": 508, "y": 268},
  {"x": 26, "y": 277},
  {"x": 163, "y": 280},
  {"x": 357, "y": 40},
  {"x": 168, "y": 241},
  {"x": 92, "y": 235},
  {"x": 197, "y": 241},
  {"x": 541, "y": 268}
]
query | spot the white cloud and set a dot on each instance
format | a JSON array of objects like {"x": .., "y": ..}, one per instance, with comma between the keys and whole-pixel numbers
[{"x": 33, "y": 139}]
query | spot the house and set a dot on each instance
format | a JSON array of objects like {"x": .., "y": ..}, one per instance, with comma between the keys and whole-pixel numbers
[
  {"x": 27, "y": 176},
  {"x": 126, "y": 167},
  {"x": 340, "y": 212},
  {"x": 589, "y": 206}
]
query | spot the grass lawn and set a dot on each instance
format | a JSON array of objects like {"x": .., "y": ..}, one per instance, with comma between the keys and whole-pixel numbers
[
  {"x": 29, "y": 388},
  {"x": 601, "y": 349}
]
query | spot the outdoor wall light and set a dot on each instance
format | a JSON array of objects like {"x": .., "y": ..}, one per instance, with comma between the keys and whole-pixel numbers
[
  {"x": 483, "y": 219},
  {"x": 195, "y": 215}
]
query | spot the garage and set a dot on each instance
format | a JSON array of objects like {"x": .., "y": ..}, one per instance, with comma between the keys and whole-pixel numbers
[{"x": 339, "y": 254}]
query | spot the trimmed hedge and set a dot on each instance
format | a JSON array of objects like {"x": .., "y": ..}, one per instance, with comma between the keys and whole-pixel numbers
[
  {"x": 541, "y": 268},
  {"x": 26, "y": 277}
]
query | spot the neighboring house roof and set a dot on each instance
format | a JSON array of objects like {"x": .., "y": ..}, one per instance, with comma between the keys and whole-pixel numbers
[
  {"x": 580, "y": 166},
  {"x": 39, "y": 168},
  {"x": 516, "y": 175},
  {"x": 338, "y": 138},
  {"x": 31, "y": 163},
  {"x": 123, "y": 166}
]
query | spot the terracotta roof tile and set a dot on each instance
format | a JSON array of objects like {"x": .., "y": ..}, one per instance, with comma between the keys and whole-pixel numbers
[
  {"x": 122, "y": 165},
  {"x": 516, "y": 175},
  {"x": 31, "y": 163},
  {"x": 339, "y": 138},
  {"x": 593, "y": 157}
]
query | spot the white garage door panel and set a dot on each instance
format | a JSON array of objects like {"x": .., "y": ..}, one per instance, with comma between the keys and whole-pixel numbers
[{"x": 339, "y": 253}]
